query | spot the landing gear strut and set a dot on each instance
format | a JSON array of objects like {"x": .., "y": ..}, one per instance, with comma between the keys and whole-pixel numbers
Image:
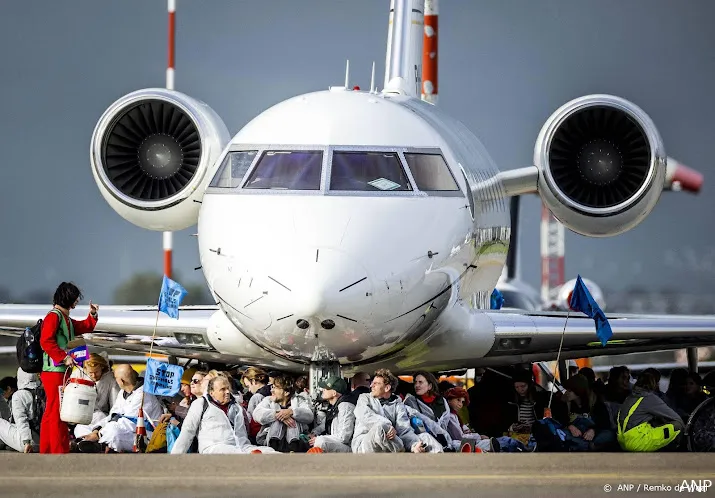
[{"x": 323, "y": 364}]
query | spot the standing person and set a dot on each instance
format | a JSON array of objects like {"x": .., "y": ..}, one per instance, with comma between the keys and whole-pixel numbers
[{"x": 58, "y": 330}]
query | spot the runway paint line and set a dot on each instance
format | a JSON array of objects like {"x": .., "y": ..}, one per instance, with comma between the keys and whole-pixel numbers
[{"x": 417, "y": 477}]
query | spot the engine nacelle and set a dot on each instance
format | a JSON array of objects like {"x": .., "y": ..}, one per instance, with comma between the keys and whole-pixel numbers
[
  {"x": 601, "y": 164},
  {"x": 153, "y": 152}
]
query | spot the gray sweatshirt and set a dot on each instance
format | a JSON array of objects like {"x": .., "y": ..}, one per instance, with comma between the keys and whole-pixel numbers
[{"x": 652, "y": 409}]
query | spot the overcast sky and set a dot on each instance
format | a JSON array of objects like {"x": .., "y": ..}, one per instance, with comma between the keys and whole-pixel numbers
[{"x": 504, "y": 67}]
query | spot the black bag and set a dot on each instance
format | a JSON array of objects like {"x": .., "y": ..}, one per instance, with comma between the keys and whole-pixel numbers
[
  {"x": 29, "y": 352},
  {"x": 548, "y": 435},
  {"x": 39, "y": 402}
]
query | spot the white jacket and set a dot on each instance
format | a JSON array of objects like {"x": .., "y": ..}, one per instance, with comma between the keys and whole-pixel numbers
[
  {"x": 128, "y": 406},
  {"x": 342, "y": 426},
  {"x": 265, "y": 413},
  {"x": 416, "y": 407},
  {"x": 215, "y": 427},
  {"x": 23, "y": 405},
  {"x": 369, "y": 411}
]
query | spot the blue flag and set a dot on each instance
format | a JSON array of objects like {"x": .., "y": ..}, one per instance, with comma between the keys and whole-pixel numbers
[
  {"x": 581, "y": 300},
  {"x": 162, "y": 379},
  {"x": 170, "y": 298},
  {"x": 497, "y": 300}
]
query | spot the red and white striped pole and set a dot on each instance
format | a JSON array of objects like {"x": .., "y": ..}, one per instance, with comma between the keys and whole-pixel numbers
[
  {"x": 171, "y": 5},
  {"x": 430, "y": 53},
  {"x": 552, "y": 255}
]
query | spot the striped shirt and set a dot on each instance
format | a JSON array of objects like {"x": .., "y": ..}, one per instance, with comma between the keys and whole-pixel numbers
[{"x": 526, "y": 412}]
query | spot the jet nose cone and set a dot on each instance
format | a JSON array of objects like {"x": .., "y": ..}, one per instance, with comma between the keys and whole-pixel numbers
[
  {"x": 326, "y": 283},
  {"x": 309, "y": 302}
]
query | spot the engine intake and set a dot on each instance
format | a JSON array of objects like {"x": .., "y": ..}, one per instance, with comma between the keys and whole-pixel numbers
[
  {"x": 601, "y": 165},
  {"x": 152, "y": 155}
]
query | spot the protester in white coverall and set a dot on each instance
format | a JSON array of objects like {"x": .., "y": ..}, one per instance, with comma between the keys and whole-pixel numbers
[
  {"x": 19, "y": 435},
  {"x": 218, "y": 422},
  {"x": 335, "y": 431},
  {"x": 283, "y": 416},
  {"x": 118, "y": 430},
  {"x": 97, "y": 369},
  {"x": 382, "y": 424}
]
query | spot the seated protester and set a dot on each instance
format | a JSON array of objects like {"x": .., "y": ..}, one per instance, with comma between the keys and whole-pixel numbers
[
  {"x": 657, "y": 376},
  {"x": 178, "y": 406},
  {"x": 5, "y": 411},
  {"x": 586, "y": 418},
  {"x": 596, "y": 385},
  {"x": 645, "y": 422},
  {"x": 335, "y": 432},
  {"x": 23, "y": 435},
  {"x": 218, "y": 421},
  {"x": 8, "y": 385},
  {"x": 676, "y": 390},
  {"x": 430, "y": 406},
  {"x": 97, "y": 368},
  {"x": 359, "y": 384},
  {"x": 693, "y": 396},
  {"x": 116, "y": 432},
  {"x": 284, "y": 417},
  {"x": 256, "y": 380},
  {"x": 619, "y": 385},
  {"x": 457, "y": 397},
  {"x": 525, "y": 407},
  {"x": 382, "y": 424}
]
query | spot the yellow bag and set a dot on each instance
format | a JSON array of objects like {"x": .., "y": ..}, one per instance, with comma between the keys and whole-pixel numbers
[{"x": 157, "y": 444}]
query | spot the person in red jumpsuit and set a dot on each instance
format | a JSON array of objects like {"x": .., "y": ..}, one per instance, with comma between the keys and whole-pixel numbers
[{"x": 58, "y": 330}]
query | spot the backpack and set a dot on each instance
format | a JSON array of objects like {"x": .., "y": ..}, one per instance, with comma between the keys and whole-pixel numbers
[
  {"x": 29, "y": 352},
  {"x": 549, "y": 436},
  {"x": 39, "y": 402}
]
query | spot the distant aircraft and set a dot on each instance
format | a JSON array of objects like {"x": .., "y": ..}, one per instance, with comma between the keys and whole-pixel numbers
[{"x": 343, "y": 230}]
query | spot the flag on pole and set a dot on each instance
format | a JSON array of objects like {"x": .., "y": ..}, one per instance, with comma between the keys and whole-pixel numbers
[
  {"x": 170, "y": 298},
  {"x": 581, "y": 300},
  {"x": 161, "y": 378},
  {"x": 497, "y": 300}
]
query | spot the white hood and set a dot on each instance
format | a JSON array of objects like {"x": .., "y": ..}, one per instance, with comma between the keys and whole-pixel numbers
[{"x": 27, "y": 380}]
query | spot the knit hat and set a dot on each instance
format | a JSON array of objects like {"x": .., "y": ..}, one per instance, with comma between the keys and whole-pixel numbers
[
  {"x": 186, "y": 378},
  {"x": 457, "y": 392}
]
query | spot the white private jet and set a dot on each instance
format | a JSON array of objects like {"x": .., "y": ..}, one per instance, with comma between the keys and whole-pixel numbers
[{"x": 344, "y": 230}]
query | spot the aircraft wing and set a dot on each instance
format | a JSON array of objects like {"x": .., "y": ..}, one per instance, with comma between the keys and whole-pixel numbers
[
  {"x": 130, "y": 329},
  {"x": 464, "y": 337},
  {"x": 536, "y": 336}
]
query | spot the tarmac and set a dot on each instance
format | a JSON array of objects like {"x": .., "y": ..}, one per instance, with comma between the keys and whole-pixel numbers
[{"x": 551, "y": 475}]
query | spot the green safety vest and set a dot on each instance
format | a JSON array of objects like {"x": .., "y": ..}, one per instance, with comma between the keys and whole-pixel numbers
[
  {"x": 63, "y": 337},
  {"x": 643, "y": 437}
]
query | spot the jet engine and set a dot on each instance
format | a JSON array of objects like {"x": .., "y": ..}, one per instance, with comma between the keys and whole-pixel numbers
[
  {"x": 153, "y": 153},
  {"x": 601, "y": 164}
]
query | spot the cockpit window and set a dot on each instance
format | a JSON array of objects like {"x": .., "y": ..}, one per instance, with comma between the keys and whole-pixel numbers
[
  {"x": 430, "y": 172},
  {"x": 368, "y": 171},
  {"x": 287, "y": 170},
  {"x": 233, "y": 168}
]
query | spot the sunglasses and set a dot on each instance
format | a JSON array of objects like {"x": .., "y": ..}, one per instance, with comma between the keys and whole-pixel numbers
[{"x": 195, "y": 381}]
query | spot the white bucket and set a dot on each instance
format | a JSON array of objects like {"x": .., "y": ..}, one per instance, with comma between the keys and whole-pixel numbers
[{"x": 78, "y": 400}]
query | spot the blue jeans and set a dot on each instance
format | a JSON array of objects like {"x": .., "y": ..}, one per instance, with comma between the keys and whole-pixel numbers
[
  {"x": 511, "y": 445},
  {"x": 602, "y": 437}
]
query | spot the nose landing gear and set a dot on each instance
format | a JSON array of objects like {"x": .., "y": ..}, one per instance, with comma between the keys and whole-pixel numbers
[{"x": 323, "y": 364}]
